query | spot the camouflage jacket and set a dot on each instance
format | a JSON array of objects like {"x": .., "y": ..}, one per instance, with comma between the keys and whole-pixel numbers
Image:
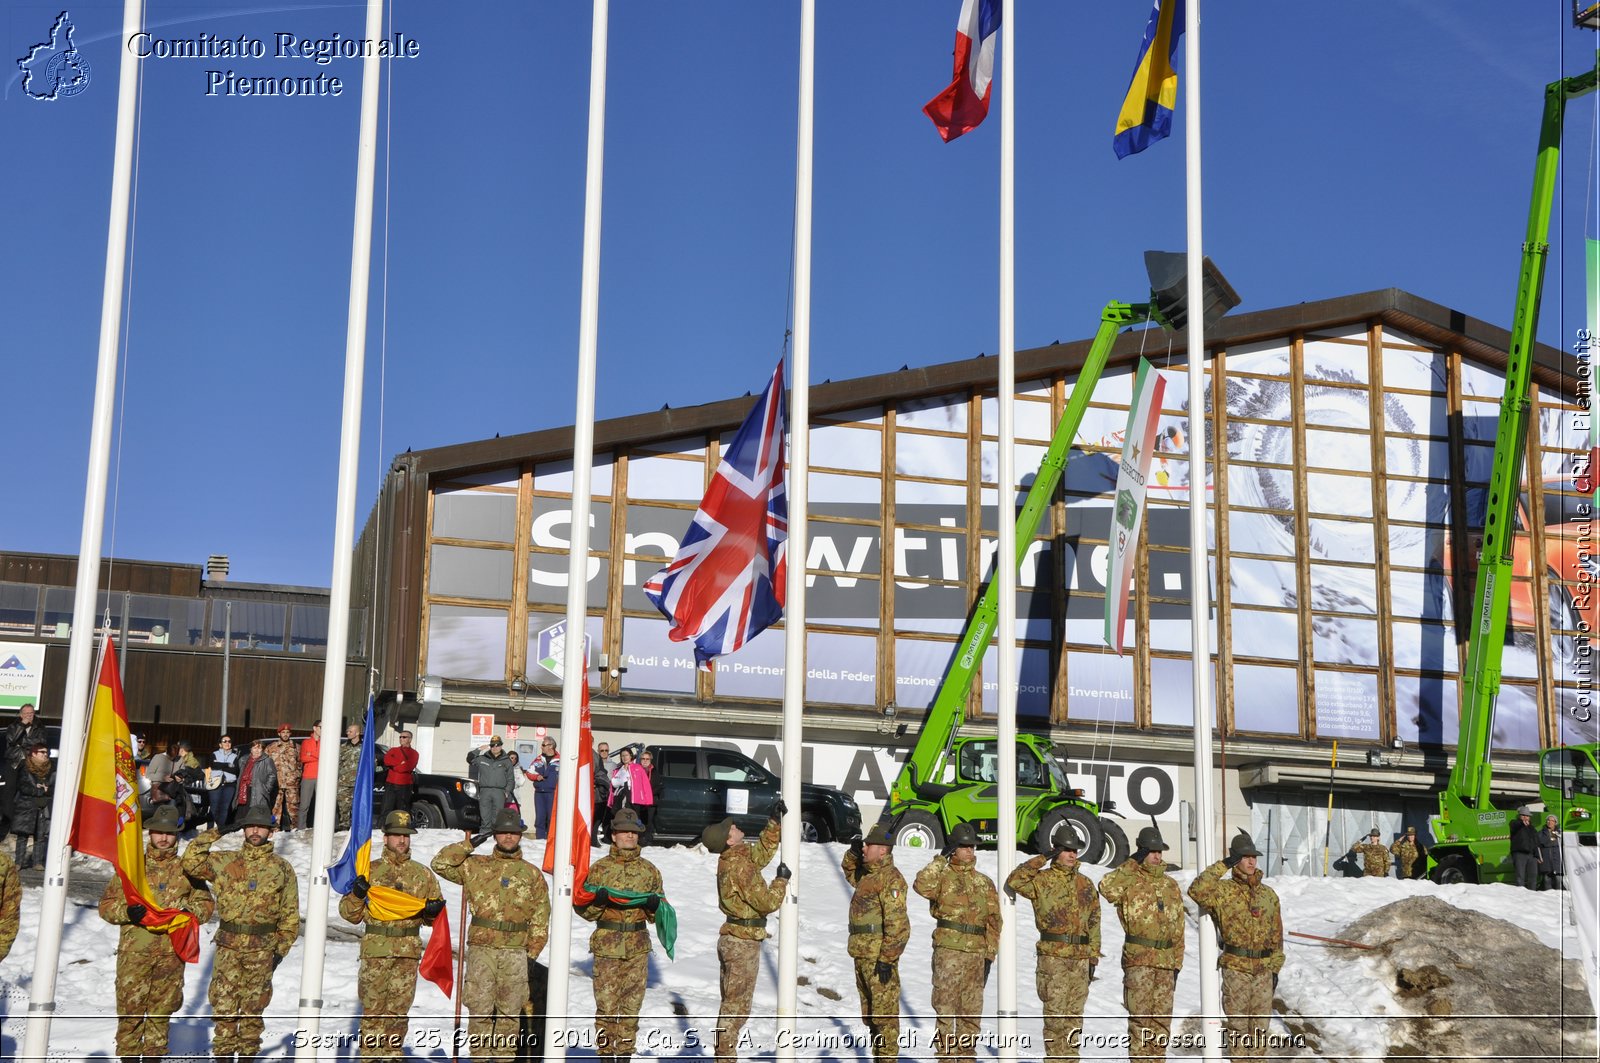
[
  {"x": 1247, "y": 917},
  {"x": 1064, "y": 903},
  {"x": 1405, "y": 853},
  {"x": 169, "y": 888},
  {"x": 878, "y": 907},
  {"x": 349, "y": 759},
  {"x": 1374, "y": 859},
  {"x": 392, "y": 937},
  {"x": 622, "y": 869},
  {"x": 509, "y": 899},
  {"x": 286, "y": 756},
  {"x": 1151, "y": 909},
  {"x": 965, "y": 906},
  {"x": 10, "y": 904},
  {"x": 741, "y": 893},
  {"x": 258, "y": 896}
]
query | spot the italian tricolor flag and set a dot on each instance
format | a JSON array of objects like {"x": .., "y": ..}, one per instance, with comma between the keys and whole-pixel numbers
[{"x": 1138, "y": 447}]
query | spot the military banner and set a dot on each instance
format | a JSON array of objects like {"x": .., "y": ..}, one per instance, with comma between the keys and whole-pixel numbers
[{"x": 1138, "y": 447}]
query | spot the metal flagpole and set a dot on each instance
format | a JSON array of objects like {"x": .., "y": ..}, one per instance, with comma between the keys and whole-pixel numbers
[
  {"x": 574, "y": 673},
  {"x": 53, "y": 902},
  {"x": 795, "y": 487},
  {"x": 355, "y": 352},
  {"x": 1005, "y": 556},
  {"x": 1199, "y": 581}
]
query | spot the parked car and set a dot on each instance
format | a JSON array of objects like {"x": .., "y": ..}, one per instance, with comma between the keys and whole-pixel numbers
[
  {"x": 445, "y": 801},
  {"x": 696, "y": 786}
]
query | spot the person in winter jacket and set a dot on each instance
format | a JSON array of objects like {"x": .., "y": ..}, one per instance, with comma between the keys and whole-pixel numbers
[
  {"x": 1525, "y": 849},
  {"x": 966, "y": 913},
  {"x": 543, "y": 772},
  {"x": 497, "y": 776},
  {"x": 1150, "y": 908},
  {"x": 258, "y": 779},
  {"x": 399, "y": 778},
  {"x": 224, "y": 781},
  {"x": 33, "y": 787},
  {"x": 310, "y": 750},
  {"x": 1552, "y": 868},
  {"x": 23, "y": 732},
  {"x": 1251, "y": 926},
  {"x": 1066, "y": 911},
  {"x": 622, "y": 781}
]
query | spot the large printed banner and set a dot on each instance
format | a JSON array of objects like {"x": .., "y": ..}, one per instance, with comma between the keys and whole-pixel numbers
[
  {"x": 21, "y": 674},
  {"x": 1138, "y": 447}
]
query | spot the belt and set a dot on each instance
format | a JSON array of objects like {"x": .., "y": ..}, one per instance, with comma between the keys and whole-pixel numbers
[
  {"x": 761, "y": 923},
  {"x": 1149, "y": 943},
  {"x": 866, "y": 928},
  {"x": 390, "y": 930},
  {"x": 617, "y": 924},
  {"x": 960, "y": 928},
  {"x": 1249, "y": 954},
  {"x": 253, "y": 929},
  {"x": 495, "y": 924},
  {"x": 1065, "y": 939}
]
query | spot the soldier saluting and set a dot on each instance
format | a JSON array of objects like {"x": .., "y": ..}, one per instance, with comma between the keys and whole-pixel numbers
[
  {"x": 1151, "y": 911},
  {"x": 1374, "y": 857},
  {"x": 149, "y": 970},
  {"x": 746, "y": 901},
  {"x": 1251, "y": 925},
  {"x": 1066, "y": 911},
  {"x": 390, "y": 948},
  {"x": 966, "y": 913},
  {"x": 879, "y": 930}
]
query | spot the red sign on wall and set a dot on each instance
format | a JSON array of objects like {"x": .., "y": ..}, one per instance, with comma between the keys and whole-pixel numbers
[{"x": 482, "y": 728}]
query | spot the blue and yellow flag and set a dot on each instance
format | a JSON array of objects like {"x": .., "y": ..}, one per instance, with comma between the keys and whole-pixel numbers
[
  {"x": 357, "y": 858},
  {"x": 1146, "y": 114}
]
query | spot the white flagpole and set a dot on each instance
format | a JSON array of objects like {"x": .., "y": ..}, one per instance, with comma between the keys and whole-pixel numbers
[
  {"x": 1006, "y": 555},
  {"x": 795, "y": 486},
  {"x": 80, "y": 655},
  {"x": 344, "y": 521},
  {"x": 574, "y": 673},
  {"x": 1199, "y": 582}
]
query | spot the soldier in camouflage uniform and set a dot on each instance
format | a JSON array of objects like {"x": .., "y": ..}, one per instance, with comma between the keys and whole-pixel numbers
[
  {"x": 1406, "y": 851},
  {"x": 390, "y": 948},
  {"x": 258, "y": 904},
  {"x": 286, "y": 756},
  {"x": 1251, "y": 926},
  {"x": 1374, "y": 857},
  {"x": 10, "y": 904},
  {"x": 879, "y": 930},
  {"x": 746, "y": 901},
  {"x": 349, "y": 757},
  {"x": 1151, "y": 910},
  {"x": 149, "y": 972},
  {"x": 621, "y": 940},
  {"x": 1066, "y": 910},
  {"x": 966, "y": 913},
  {"x": 510, "y": 923}
]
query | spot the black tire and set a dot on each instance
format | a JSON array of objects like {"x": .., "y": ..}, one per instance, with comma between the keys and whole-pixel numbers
[
  {"x": 1454, "y": 868},
  {"x": 918, "y": 830},
  {"x": 814, "y": 828},
  {"x": 1082, "y": 822},
  {"x": 425, "y": 815},
  {"x": 1115, "y": 851}
]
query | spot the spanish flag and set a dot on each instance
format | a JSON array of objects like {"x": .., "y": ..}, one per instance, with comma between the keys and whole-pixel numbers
[
  {"x": 1146, "y": 114},
  {"x": 107, "y": 823}
]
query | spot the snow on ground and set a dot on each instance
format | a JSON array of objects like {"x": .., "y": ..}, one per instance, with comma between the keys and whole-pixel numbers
[{"x": 1341, "y": 993}]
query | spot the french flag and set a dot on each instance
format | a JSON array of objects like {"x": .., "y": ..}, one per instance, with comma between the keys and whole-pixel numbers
[{"x": 965, "y": 103}]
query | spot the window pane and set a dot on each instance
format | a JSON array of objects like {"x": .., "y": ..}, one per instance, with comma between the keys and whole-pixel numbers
[
  {"x": 655, "y": 662},
  {"x": 161, "y": 620},
  {"x": 467, "y": 642},
  {"x": 486, "y": 515},
  {"x": 1266, "y": 699},
  {"x": 1347, "y": 705},
  {"x": 255, "y": 625},
  {"x": 19, "y": 607},
  {"x": 1425, "y": 710},
  {"x": 1100, "y": 687},
  {"x": 462, "y": 572},
  {"x": 308, "y": 630},
  {"x": 947, "y": 413},
  {"x": 667, "y": 478}
]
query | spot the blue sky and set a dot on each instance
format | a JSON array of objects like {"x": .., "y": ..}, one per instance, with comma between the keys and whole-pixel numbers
[{"x": 1374, "y": 145}]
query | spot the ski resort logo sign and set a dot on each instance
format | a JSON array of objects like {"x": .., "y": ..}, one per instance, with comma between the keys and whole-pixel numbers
[
  {"x": 551, "y": 647},
  {"x": 54, "y": 69}
]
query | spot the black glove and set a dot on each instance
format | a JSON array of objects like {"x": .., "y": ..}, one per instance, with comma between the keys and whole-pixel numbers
[
  {"x": 1229, "y": 861},
  {"x": 1092, "y": 966},
  {"x": 779, "y": 809},
  {"x": 276, "y": 960},
  {"x": 884, "y": 971},
  {"x": 479, "y": 839},
  {"x": 232, "y": 828},
  {"x": 602, "y": 896},
  {"x": 651, "y": 903},
  {"x": 360, "y": 886},
  {"x": 136, "y": 913},
  {"x": 782, "y": 872},
  {"x": 857, "y": 843},
  {"x": 1274, "y": 983},
  {"x": 949, "y": 850},
  {"x": 431, "y": 910},
  {"x": 988, "y": 965}
]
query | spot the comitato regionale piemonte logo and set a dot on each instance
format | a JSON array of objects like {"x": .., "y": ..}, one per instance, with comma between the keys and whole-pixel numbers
[{"x": 54, "y": 69}]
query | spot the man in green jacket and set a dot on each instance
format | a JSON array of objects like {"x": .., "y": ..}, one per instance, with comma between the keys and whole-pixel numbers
[
  {"x": 966, "y": 913},
  {"x": 1150, "y": 908},
  {"x": 746, "y": 901},
  {"x": 1251, "y": 926},
  {"x": 621, "y": 940},
  {"x": 1066, "y": 911},
  {"x": 879, "y": 930}
]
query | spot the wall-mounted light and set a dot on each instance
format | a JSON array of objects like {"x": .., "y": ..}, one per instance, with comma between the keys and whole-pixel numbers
[{"x": 519, "y": 685}]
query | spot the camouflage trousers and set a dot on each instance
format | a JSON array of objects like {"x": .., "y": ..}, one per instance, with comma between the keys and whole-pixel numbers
[
  {"x": 494, "y": 989},
  {"x": 880, "y": 1009},
  {"x": 958, "y": 1000},
  {"x": 241, "y": 989},
  {"x": 345, "y": 796},
  {"x": 1063, "y": 987},
  {"x": 286, "y": 808},
  {"x": 740, "y": 960},
  {"x": 1247, "y": 1000},
  {"x": 149, "y": 990},
  {"x": 386, "y": 985},
  {"x": 1147, "y": 994},
  {"x": 619, "y": 986}
]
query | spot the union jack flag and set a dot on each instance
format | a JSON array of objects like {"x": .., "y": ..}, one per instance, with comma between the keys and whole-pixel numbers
[{"x": 726, "y": 585}]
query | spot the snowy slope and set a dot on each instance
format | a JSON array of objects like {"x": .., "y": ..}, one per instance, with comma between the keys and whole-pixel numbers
[{"x": 681, "y": 1005}]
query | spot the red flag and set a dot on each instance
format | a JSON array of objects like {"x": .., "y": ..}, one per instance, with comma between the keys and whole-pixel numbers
[
  {"x": 107, "y": 823},
  {"x": 583, "y": 814},
  {"x": 438, "y": 959}
]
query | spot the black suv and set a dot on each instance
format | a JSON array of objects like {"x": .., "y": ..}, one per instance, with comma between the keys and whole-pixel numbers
[
  {"x": 436, "y": 800},
  {"x": 696, "y": 786}
]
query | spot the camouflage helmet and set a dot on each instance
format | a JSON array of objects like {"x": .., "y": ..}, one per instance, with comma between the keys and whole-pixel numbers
[
  {"x": 1066, "y": 838},
  {"x": 256, "y": 816},
  {"x": 714, "y": 837},
  {"x": 1375, "y": 833},
  {"x": 1149, "y": 841},
  {"x": 507, "y": 822},
  {"x": 1242, "y": 846},
  {"x": 962, "y": 836},
  {"x": 165, "y": 820},
  {"x": 626, "y": 820},
  {"x": 878, "y": 836},
  {"x": 398, "y": 822}
]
